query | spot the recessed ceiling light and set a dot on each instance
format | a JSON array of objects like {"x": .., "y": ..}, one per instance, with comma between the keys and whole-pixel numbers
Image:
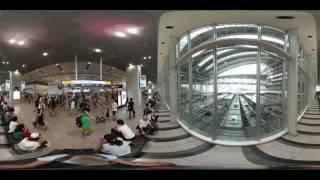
[
  {"x": 141, "y": 65},
  {"x": 169, "y": 27},
  {"x": 3, "y": 62},
  {"x": 145, "y": 57},
  {"x": 132, "y": 30},
  {"x": 149, "y": 57},
  {"x": 309, "y": 36},
  {"x": 45, "y": 54},
  {"x": 7, "y": 62},
  {"x": 57, "y": 64},
  {"x": 89, "y": 62},
  {"x": 285, "y": 17},
  {"x": 21, "y": 43},
  {"x": 98, "y": 50},
  {"x": 23, "y": 65},
  {"x": 12, "y": 41},
  {"x": 162, "y": 42},
  {"x": 120, "y": 34}
]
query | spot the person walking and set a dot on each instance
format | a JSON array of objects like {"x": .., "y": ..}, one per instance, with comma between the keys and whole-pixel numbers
[
  {"x": 131, "y": 108},
  {"x": 114, "y": 108}
]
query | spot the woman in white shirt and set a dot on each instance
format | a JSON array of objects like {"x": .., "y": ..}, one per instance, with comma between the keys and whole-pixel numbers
[
  {"x": 32, "y": 143},
  {"x": 122, "y": 130},
  {"x": 114, "y": 146},
  {"x": 13, "y": 124},
  {"x": 145, "y": 126}
]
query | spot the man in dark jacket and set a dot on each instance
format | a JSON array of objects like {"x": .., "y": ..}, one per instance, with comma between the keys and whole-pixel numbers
[{"x": 131, "y": 108}]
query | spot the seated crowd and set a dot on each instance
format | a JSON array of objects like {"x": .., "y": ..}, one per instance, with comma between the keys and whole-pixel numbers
[{"x": 21, "y": 135}]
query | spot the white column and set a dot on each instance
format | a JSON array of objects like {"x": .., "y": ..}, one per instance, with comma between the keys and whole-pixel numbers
[
  {"x": 172, "y": 79},
  {"x": 11, "y": 90},
  {"x": 76, "y": 66},
  {"x": 292, "y": 82},
  {"x": 101, "y": 69},
  {"x": 133, "y": 73}
]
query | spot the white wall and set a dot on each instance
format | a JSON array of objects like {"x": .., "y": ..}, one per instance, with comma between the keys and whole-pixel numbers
[
  {"x": 40, "y": 89},
  {"x": 53, "y": 89}
]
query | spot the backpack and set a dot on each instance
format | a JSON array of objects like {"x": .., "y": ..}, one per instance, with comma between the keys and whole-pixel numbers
[{"x": 78, "y": 121}]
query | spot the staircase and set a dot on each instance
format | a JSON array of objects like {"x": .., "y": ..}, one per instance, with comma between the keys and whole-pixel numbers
[
  {"x": 302, "y": 149},
  {"x": 172, "y": 141}
]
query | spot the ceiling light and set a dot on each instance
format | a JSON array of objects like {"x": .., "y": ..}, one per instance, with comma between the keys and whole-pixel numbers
[
  {"x": 285, "y": 17},
  {"x": 57, "y": 64},
  {"x": 141, "y": 65},
  {"x": 21, "y": 43},
  {"x": 7, "y": 62},
  {"x": 62, "y": 71},
  {"x": 12, "y": 41},
  {"x": 145, "y": 57},
  {"x": 98, "y": 50},
  {"x": 132, "y": 30},
  {"x": 45, "y": 54},
  {"x": 149, "y": 57},
  {"x": 89, "y": 62},
  {"x": 120, "y": 34},
  {"x": 3, "y": 62},
  {"x": 23, "y": 65}
]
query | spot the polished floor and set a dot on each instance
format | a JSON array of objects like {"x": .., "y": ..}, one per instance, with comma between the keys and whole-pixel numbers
[{"x": 174, "y": 144}]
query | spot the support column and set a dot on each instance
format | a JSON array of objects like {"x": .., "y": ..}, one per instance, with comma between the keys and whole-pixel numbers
[
  {"x": 133, "y": 72},
  {"x": 10, "y": 90},
  {"x": 76, "y": 66},
  {"x": 101, "y": 69},
  {"x": 172, "y": 79},
  {"x": 292, "y": 82}
]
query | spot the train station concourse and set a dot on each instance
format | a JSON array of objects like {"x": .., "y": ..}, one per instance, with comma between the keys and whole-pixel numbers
[{"x": 159, "y": 89}]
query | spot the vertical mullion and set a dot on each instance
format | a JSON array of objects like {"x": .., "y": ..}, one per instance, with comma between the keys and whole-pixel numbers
[
  {"x": 258, "y": 109},
  {"x": 191, "y": 92}
]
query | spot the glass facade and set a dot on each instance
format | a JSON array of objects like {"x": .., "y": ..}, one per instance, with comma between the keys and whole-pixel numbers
[{"x": 235, "y": 93}]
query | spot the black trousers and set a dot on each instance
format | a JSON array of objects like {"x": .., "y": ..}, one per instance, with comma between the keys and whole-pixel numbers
[{"x": 115, "y": 134}]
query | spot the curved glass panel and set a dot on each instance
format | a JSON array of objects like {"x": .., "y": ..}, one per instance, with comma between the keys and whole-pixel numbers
[
  {"x": 236, "y": 93},
  {"x": 271, "y": 95},
  {"x": 200, "y": 35},
  {"x": 202, "y": 101},
  {"x": 184, "y": 91}
]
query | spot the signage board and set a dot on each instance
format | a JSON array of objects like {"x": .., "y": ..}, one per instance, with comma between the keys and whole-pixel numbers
[{"x": 142, "y": 81}]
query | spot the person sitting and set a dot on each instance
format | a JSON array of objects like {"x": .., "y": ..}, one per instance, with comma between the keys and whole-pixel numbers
[
  {"x": 146, "y": 109},
  {"x": 32, "y": 143},
  {"x": 122, "y": 130},
  {"x": 21, "y": 132},
  {"x": 8, "y": 114},
  {"x": 145, "y": 127},
  {"x": 13, "y": 124},
  {"x": 114, "y": 146}
]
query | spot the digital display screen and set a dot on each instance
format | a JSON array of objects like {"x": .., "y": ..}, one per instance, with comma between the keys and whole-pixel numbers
[
  {"x": 119, "y": 98},
  {"x": 318, "y": 88},
  {"x": 142, "y": 82},
  {"x": 123, "y": 97},
  {"x": 8, "y": 82},
  {"x": 23, "y": 85},
  {"x": 16, "y": 94}
]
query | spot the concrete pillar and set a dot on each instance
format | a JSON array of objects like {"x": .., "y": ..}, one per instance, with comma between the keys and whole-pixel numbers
[
  {"x": 292, "y": 82},
  {"x": 10, "y": 102},
  {"x": 173, "y": 79},
  {"x": 101, "y": 69},
  {"x": 76, "y": 66},
  {"x": 134, "y": 91}
]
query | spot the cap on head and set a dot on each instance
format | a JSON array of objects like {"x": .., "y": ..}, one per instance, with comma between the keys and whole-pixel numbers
[{"x": 34, "y": 135}]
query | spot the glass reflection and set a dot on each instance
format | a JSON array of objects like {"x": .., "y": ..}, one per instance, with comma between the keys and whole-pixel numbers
[
  {"x": 184, "y": 90},
  {"x": 236, "y": 83}
]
